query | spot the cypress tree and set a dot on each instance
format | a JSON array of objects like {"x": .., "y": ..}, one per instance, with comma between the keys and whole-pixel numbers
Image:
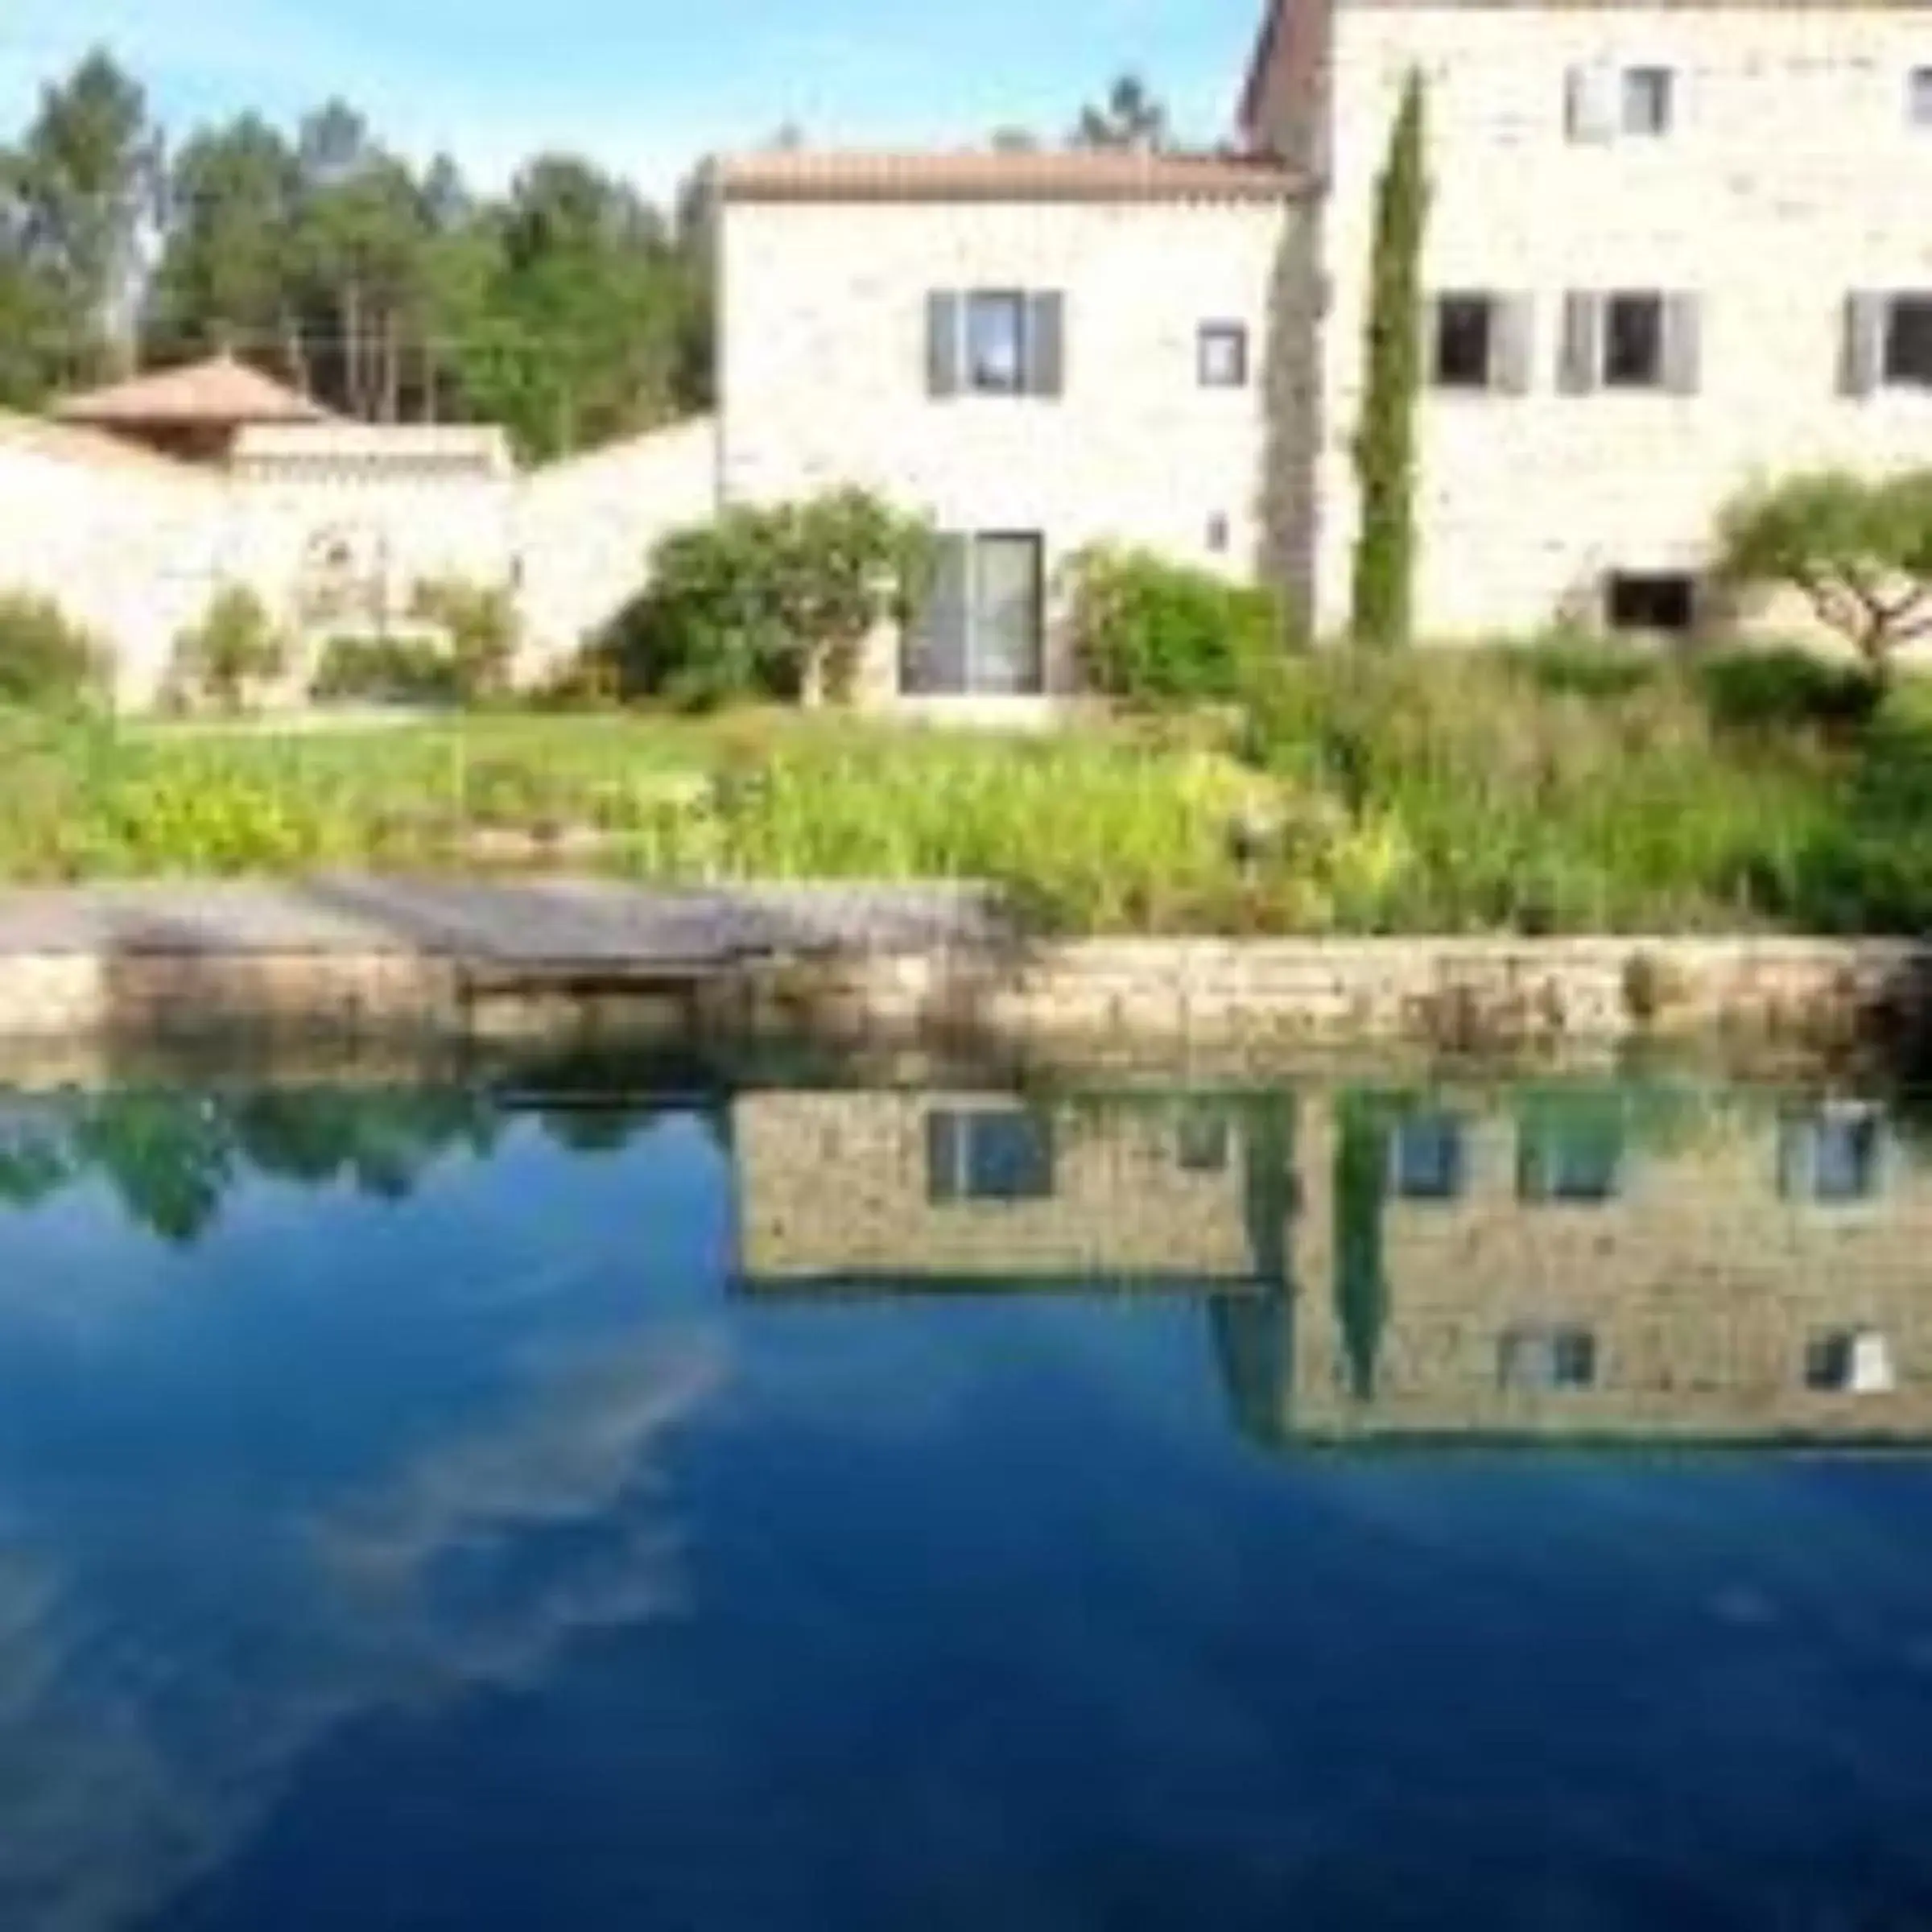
[{"x": 1384, "y": 444}]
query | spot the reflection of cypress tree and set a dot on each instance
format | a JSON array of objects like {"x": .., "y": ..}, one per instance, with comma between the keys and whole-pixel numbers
[
  {"x": 1361, "y": 1185},
  {"x": 1254, "y": 1335},
  {"x": 1268, "y": 1198}
]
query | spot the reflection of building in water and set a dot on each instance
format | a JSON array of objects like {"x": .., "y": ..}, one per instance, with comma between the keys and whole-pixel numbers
[
  {"x": 1570, "y": 1267},
  {"x": 1577, "y": 1263},
  {"x": 883, "y": 1189}
]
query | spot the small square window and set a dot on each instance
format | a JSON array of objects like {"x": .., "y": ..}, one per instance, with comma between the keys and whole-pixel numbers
[
  {"x": 988, "y": 1157},
  {"x": 1849, "y": 1362},
  {"x": 1633, "y": 341},
  {"x": 996, "y": 342},
  {"x": 1465, "y": 328},
  {"x": 1535, "y": 1359},
  {"x": 1651, "y": 602},
  {"x": 1648, "y": 93},
  {"x": 1909, "y": 340},
  {"x": 1224, "y": 355},
  {"x": 1578, "y": 1162},
  {"x": 1202, "y": 1143},
  {"x": 1426, "y": 1159},
  {"x": 1918, "y": 97},
  {"x": 1834, "y": 1158}
]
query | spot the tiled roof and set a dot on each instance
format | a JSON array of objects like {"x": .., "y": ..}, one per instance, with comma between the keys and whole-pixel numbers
[
  {"x": 60, "y": 443},
  {"x": 800, "y": 174},
  {"x": 220, "y": 392}
]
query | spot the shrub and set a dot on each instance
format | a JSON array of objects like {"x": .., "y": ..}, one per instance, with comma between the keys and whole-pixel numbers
[
  {"x": 484, "y": 630},
  {"x": 388, "y": 670},
  {"x": 46, "y": 661},
  {"x": 235, "y": 648},
  {"x": 1782, "y": 691},
  {"x": 1151, "y": 632},
  {"x": 771, "y": 602},
  {"x": 1858, "y": 550}
]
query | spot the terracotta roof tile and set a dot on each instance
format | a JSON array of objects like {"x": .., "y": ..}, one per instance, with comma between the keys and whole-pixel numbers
[
  {"x": 803, "y": 175},
  {"x": 220, "y": 392},
  {"x": 61, "y": 444}
]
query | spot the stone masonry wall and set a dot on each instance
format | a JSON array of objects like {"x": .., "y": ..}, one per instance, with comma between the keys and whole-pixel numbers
[
  {"x": 1701, "y": 1283},
  {"x": 823, "y": 369},
  {"x": 136, "y": 548},
  {"x": 837, "y": 1184},
  {"x": 1453, "y": 993},
  {"x": 1790, "y": 176}
]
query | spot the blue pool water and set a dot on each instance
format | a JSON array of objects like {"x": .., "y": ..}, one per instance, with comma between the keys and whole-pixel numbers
[{"x": 765, "y": 1510}]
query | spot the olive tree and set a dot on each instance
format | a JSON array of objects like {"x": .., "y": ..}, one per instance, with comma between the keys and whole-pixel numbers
[{"x": 1859, "y": 551}]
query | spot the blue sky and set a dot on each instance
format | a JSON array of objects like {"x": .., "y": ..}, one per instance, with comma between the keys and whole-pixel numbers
[{"x": 645, "y": 85}]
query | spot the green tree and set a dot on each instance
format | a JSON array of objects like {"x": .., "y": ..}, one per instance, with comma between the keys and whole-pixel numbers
[
  {"x": 75, "y": 198},
  {"x": 1859, "y": 549},
  {"x": 235, "y": 648},
  {"x": 1130, "y": 117},
  {"x": 1384, "y": 444},
  {"x": 226, "y": 272}
]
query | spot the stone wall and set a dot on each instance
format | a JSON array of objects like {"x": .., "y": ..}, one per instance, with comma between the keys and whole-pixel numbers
[
  {"x": 1701, "y": 1285},
  {"x": 823, "y": 363},
  {"x": 1452, "y": 992},
  {"x": 1790, "y": 177},
  {"x": 838, "y": 1187},
  {"x": 135, "y": 546}
]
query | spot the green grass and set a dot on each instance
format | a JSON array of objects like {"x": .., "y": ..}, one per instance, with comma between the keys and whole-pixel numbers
[{"x": 1544, "y": 792}]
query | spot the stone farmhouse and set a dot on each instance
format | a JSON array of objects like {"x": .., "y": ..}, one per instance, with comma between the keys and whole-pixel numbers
[
  {"x": 1672, "y": 248},
  {"x": 1384, "y": 1267}
]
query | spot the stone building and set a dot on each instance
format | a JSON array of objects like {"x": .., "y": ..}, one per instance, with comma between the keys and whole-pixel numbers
[
  {"x": 1038, "y": 351},
  {"x": 889, "y": 1192},
  {"x": 133, "y": 507},
  {"x": 1578, "y": 1265},
  {"x": 1670, "y": 250}
]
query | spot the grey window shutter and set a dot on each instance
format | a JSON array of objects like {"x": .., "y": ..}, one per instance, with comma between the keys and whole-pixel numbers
[
  {"x": 1683, "y": 345},
  {"x": 1592, "y": 103},
  {"x": 943, "y": 346},
  {"x": 1865, "y": 346},
  {"x": 1583, "y": 346},
  {"x": 933, "y": 658},
  {"x": 1045, "y": 344},
  {"x": 1513, "y": 347}
]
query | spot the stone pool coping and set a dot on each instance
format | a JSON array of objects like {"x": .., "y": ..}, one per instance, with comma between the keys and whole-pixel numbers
[{"x": 350, "y": 955}]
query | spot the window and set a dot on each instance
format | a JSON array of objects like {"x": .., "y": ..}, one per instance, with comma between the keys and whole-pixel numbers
[
  {"x": 1203, "y": 1142},
  {"x": 1465, "y": 326},
  {"x": 1833, "y": 1158},
  {"x": 1647, "y": 98},
  {"x": 1425, "y": 1158},
  {"x": 1222, "y": 356},
  {"x": 982, "y": 629},
  {"x": 1651, "y": 601},
  {"x": 994, "y": 342},
  {"x": 1918, "y": 97},
  {"x": 1576, "y": 1160},
  {"x": 1534, "y": 1358},
  {"x": 1849, "y": 1362},
  {"x": 1909, "y": 340},
  {"x": 1633, "y": 341},
  {"x": 989, "y": 1156},
  {"x": 1605, "y": 102}
]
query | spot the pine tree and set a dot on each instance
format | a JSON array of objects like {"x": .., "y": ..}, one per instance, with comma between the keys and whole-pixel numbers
[{"x": 1384, "y": 447}]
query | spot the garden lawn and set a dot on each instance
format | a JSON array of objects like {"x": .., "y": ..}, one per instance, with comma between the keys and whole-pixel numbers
[{"x": 1544, "y": 793}]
